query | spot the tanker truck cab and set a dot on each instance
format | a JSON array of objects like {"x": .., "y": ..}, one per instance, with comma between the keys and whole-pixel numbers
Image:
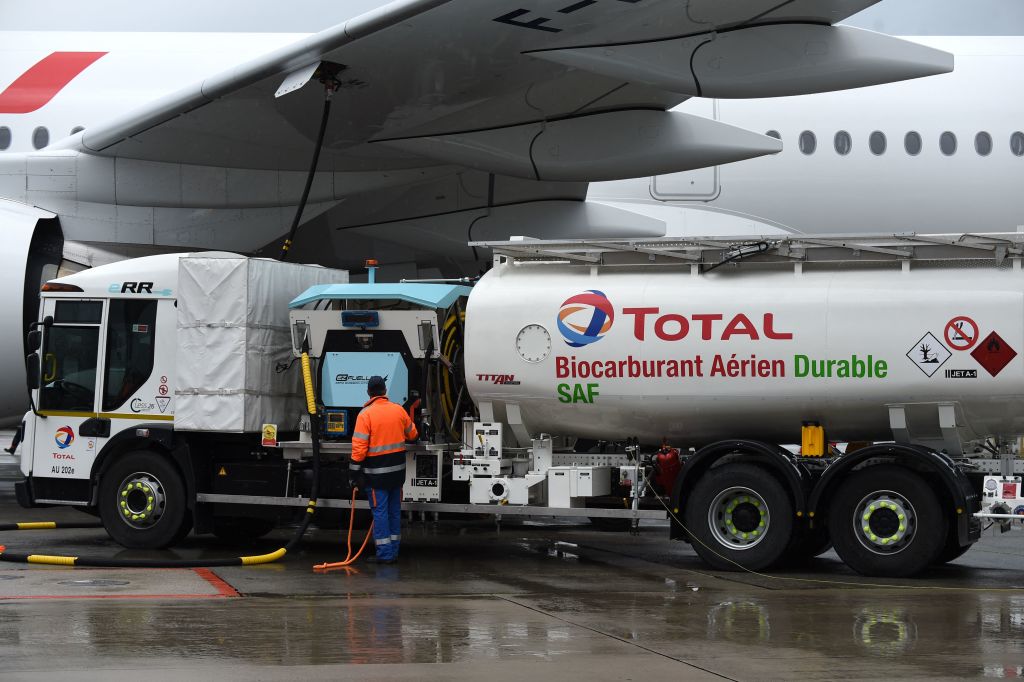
[
  {"x": 105, "y": 366},
  {"x": 151, "y": 380}
]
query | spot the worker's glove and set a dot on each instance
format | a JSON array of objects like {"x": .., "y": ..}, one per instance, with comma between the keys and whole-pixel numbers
[{"x": 357, "y": 479}]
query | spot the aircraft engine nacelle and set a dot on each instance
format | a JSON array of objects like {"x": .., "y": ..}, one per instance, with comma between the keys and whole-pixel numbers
[{"x": 32, "y": 247}]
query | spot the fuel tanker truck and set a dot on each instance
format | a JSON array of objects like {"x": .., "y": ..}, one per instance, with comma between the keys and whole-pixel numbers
[{"x": 771, "y": 398}]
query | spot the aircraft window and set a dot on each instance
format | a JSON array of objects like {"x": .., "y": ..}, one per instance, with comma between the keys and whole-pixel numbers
[
  {"x": 40, "y": 137},
  {"x": 947, "y": 143},
  {"x": 77, "y": 129},
  {"x": 983, "y": 143},
  {"x": 1017, "y": 143},
  {"x": 844, "y": 143},
  {"x": 5, "y": 137},
  {"x": 877, "y": 143},
  {"x": 808, "y": 142},
  {"x": 774, "y": 133},
  {"x": 912, "y": 143}
]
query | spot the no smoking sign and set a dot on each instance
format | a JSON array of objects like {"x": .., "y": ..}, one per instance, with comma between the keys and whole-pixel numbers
[{"x": 961, "y": 333}]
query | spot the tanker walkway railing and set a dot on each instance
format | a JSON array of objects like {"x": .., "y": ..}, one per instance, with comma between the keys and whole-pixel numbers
[{"x": 703, "y": 254}]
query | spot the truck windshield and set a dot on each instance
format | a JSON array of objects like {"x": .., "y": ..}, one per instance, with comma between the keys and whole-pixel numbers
[
  {"x": 130, "y": 334},
  {"x": 69, "y": 368}
]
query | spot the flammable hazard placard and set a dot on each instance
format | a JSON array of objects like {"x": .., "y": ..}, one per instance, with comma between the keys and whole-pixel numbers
[{"x": 993, "y": 354}]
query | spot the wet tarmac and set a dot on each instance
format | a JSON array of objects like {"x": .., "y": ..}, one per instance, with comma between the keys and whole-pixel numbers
[{"x": 470, "y": 602}]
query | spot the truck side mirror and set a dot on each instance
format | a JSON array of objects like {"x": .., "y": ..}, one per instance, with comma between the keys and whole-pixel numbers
[
  {"x": 33, "y": 340},
  {"x": 32, "y": 370}
]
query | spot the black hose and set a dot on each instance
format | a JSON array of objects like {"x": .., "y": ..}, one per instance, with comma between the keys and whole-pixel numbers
[
  {"x": 314, "y": 487},
  {"x": 309, "y": 177},
  {"x": 739, "y": 253},
  {"x": 47, "y": 525},
  {"x": 101, "y": 562}
]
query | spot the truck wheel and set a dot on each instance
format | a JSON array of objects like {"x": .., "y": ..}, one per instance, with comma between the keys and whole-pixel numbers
[
  {"x": 184, "y": 530},
  {"x": 952, "y": 549},
  {"x": 142, "y": 501},
  {"x": 739, "y": 516},
  {"x": 886, "y": 521}
]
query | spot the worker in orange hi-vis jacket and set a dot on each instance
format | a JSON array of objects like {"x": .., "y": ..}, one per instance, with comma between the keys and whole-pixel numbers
[{"x": 378, "y": 463}]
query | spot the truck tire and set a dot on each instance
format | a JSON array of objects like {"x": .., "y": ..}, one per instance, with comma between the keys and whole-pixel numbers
[
  {"x": 142, "y": 501},
  {"x": 952, "y": 549},
  {"x": 885, "y": 521},
  {"x": 739, "y": 517}
]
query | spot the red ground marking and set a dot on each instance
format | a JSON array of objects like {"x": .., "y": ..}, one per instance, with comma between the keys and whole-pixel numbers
[
  {"x": 223, "y": 589},
  {"x": 41, "y": 83},
  {"x": 115, "y": 596}
]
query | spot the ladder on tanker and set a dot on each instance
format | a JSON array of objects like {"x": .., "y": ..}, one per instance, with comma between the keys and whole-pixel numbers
[{"x": 704, "y": 254}]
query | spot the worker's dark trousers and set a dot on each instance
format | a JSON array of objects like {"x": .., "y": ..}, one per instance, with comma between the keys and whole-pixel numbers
[{"x": 387, "y": 521}]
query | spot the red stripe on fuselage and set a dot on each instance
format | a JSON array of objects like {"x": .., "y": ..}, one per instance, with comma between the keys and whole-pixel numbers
[{"x": 42, "y": 82}]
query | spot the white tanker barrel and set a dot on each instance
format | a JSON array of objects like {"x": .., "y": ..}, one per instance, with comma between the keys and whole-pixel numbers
[{"x": 748, "y": 353}]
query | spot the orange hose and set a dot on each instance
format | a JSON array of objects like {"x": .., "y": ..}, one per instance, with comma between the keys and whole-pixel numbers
[{"x": 349, "y": 559}]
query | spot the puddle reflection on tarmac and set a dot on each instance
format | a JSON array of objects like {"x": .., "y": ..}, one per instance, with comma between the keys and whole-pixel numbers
[{"x": 600, "y": 604}]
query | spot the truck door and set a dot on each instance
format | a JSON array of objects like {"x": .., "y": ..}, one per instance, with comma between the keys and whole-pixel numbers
[
  {"x": 65, "y": 441},
  {"x": 97, "y": 380}
]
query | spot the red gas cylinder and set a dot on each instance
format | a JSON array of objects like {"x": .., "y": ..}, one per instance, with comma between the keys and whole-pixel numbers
[{"x": 666, "y": 469}]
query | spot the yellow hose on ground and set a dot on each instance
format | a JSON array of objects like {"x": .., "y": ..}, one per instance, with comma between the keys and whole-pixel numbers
[{"x": 263, "y": 558}]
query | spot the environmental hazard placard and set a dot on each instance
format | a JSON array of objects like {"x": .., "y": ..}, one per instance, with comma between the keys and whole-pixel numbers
[
  {"x": 929, "y": 354},
  {"x": 993, "y": 353}
]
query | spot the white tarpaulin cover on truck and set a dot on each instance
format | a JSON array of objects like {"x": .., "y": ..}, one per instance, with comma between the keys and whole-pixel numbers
[{"x": 234, "y": 345}]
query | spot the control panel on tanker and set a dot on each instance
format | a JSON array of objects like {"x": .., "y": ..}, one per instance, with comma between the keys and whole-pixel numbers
[{"x": 335, "y": 423}]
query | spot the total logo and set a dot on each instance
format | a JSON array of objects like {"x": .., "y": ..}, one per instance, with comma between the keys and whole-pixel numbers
[
  {"x": 65, "y": 436},
  {"x": 585, "y": 318}
]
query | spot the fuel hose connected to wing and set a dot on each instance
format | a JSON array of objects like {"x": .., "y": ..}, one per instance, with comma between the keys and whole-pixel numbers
[
  {"x": 329, "y": 89},
  {"x": 102, "y": 562}
]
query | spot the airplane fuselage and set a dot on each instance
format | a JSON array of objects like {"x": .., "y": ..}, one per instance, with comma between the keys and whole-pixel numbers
[
  {"x": 937, "y": 154},
  {"x": 128, "y": 71}
]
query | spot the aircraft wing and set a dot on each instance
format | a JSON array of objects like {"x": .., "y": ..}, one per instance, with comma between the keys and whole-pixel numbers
[{"x": 545, "y": 95}]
